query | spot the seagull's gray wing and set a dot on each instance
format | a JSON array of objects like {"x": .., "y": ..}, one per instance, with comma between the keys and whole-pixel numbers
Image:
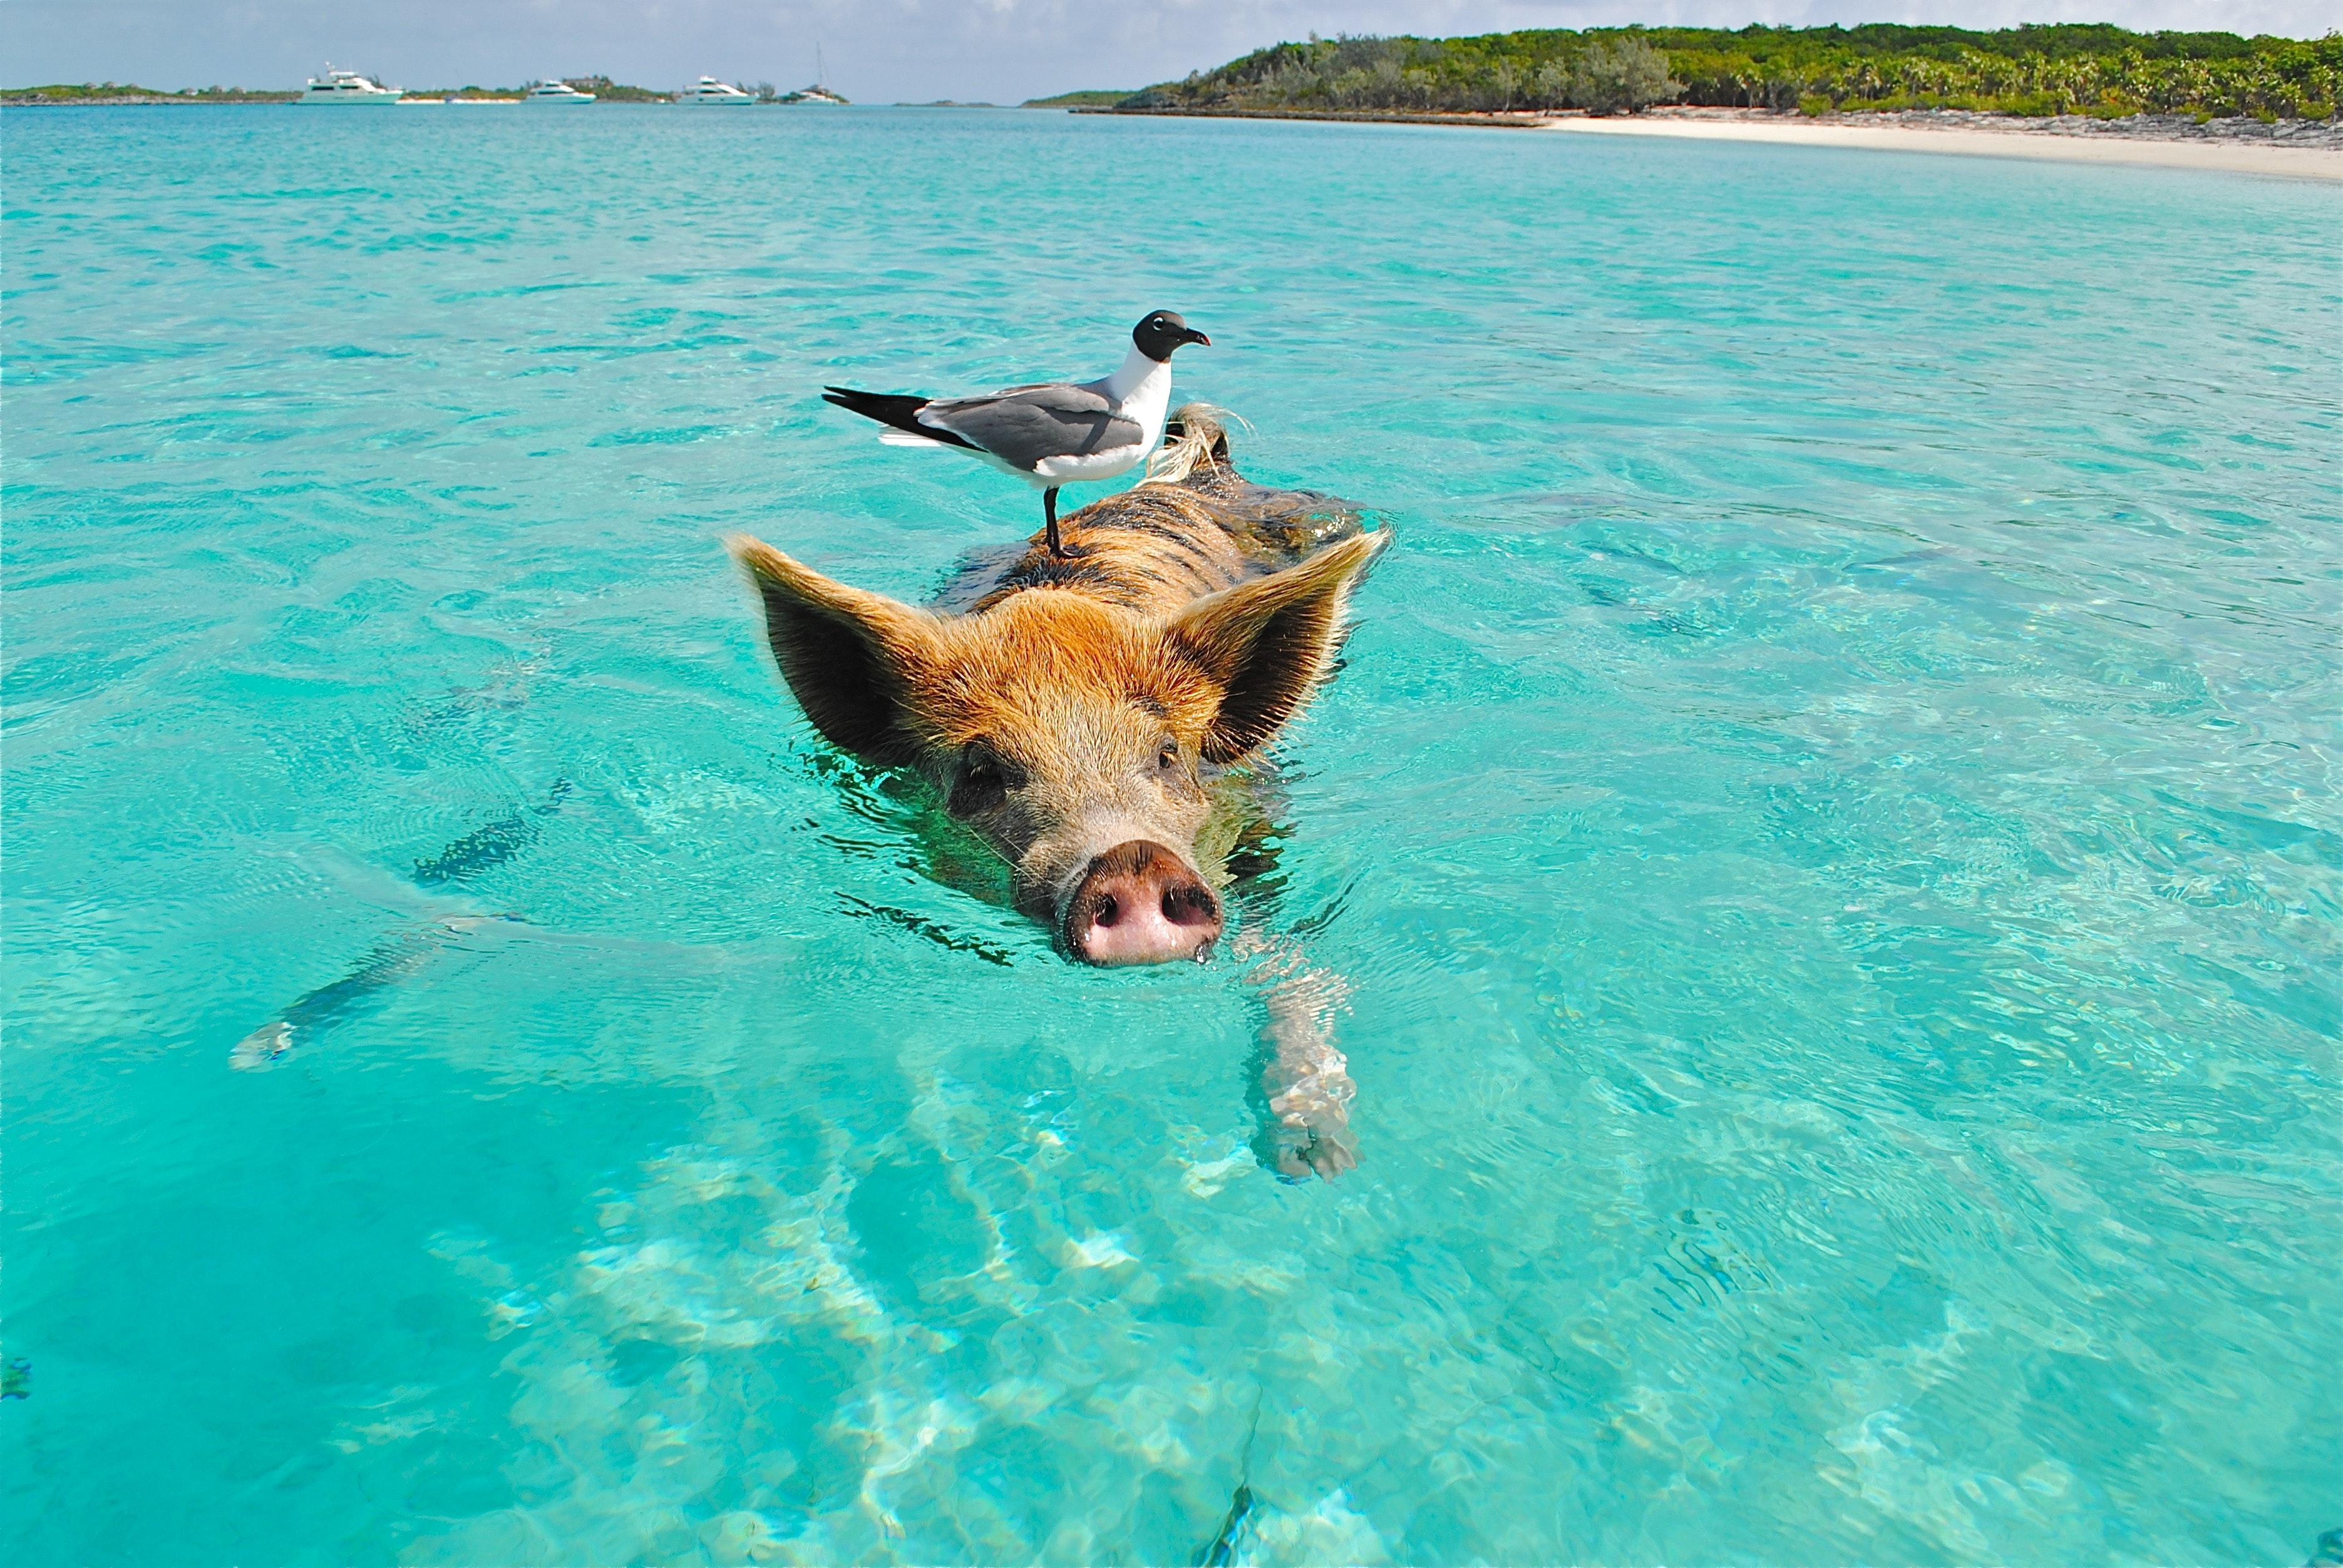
[{"x": 1025, "y": 426}]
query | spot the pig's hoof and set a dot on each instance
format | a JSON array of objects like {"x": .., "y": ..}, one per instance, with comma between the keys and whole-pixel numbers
[{"x": 1303, "y": 1152}]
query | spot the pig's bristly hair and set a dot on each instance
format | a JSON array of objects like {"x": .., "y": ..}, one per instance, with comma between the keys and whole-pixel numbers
[
  {"x": 1161, "y": 607},
  {"x": 1202, "y": 438}
]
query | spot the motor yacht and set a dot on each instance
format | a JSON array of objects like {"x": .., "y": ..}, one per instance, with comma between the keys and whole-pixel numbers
[
  {"x": 347, "y": 88},
  {"x": 553, "y": 90},
  {"x": 709, "y": 92}
]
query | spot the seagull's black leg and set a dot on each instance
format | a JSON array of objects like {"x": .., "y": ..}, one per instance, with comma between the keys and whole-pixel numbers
[{"x": 1050, "y": 517}]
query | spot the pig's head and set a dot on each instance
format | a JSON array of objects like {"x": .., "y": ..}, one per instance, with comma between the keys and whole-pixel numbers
[{"x": 1077, "y": 738}]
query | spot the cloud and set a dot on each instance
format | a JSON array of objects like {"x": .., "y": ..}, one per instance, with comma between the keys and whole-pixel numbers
[{"x": 884, "y": 50}]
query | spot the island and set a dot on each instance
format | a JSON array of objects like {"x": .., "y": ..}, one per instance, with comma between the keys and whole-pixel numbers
[{"x": 2036, "y": 71}]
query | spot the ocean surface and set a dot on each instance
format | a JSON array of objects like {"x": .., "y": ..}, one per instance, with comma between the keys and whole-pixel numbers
[{"x": 1826, "y": 840}]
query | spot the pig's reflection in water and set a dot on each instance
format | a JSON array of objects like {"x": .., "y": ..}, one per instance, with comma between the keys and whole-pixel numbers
[{"x": 1094, "y": 726}]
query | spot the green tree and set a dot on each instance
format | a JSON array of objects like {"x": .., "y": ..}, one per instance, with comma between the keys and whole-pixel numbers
[
  {"x": 2032, "y": 70},
  {"x": 1629, "y": 74},
  {"x": 1505, "y": 76}
]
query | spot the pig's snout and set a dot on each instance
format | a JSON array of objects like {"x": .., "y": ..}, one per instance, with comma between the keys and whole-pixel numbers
[{"x": 1140, "y": 904}]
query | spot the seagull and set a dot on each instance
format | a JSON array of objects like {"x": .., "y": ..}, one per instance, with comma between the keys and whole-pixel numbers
[{"x": 1052, "y": 434}]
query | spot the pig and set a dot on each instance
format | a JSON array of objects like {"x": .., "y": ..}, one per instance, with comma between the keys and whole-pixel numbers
[{"x": 1095, "y": 719}]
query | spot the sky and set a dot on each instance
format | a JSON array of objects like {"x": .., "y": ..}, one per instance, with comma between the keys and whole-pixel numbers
[{"x": 884, "y": 51}]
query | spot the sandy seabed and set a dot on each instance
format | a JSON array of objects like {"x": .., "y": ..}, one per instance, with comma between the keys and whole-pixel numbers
[{"x": 2232, "y": 155}]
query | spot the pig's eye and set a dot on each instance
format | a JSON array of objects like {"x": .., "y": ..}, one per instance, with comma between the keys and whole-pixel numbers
[
  {"x": 1167, "y": 755},
  {"x": 984, "y": 782}
]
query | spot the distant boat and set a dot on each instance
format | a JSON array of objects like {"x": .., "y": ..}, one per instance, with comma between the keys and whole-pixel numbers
[
  {"x": 553, "y": 90},
  {"x": 347, "y": 88},
  {"x": 712, "y": 93},
  {"x": 817, "y": 93}
]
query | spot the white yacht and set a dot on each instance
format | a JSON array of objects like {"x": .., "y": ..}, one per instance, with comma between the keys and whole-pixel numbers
[
  {"x": 554, "y": 90},
  {"x": 347, "y": 88},
  {"x": 708, "y": 91}
]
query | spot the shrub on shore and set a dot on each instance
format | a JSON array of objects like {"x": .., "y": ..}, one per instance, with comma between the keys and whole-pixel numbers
[
  {"x": 1087, "y": 99},
  {"x": 2032, "y": 70},
  {"x": 610, "y": 92},
  {"x": 113, "y": 93},
  {"x": 123, "y": 93}
]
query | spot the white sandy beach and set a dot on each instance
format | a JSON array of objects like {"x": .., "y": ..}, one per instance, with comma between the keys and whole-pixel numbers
[{"x": 2225, "y": 156}]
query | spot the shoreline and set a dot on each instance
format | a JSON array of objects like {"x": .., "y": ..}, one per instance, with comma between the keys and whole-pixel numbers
[
  {"x": 141, "y": 101},
  {"x": 2298, "y": 150},
  {"x": 2151, "y": 143}
]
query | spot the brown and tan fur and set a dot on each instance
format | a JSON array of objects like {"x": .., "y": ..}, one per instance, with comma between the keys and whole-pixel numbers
[{"x": 1070, "y": 709}]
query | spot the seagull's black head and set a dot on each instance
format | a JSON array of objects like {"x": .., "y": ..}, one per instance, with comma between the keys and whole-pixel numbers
[{"x": 1161, "y": 333}]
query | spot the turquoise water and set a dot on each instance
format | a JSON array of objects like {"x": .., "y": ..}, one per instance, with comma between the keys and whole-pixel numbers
[{"x": 1825, "y": 838}]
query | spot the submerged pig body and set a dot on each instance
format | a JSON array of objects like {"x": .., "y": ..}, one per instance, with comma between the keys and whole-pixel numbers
[{"x": 1081, "y": 714}]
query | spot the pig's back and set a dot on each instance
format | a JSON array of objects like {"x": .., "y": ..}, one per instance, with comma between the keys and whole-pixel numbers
[{"x": 1155, "y": 547}]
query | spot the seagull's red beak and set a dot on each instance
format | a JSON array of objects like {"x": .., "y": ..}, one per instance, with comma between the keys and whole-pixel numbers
[{"x": 1196, "y": 336}]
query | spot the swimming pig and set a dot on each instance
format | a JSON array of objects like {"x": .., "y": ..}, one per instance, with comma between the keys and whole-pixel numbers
[
  {"x": 1090, "y": 717},
  {"x": 1080, "y": 714}
]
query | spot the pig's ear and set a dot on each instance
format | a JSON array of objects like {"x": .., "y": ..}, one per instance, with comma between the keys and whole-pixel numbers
[
  {"x": 848, "y": 655},
  {"x": 1268, "y": 643}
]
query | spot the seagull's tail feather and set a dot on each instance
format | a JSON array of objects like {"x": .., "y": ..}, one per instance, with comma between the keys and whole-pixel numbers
[
  {"x": 890, "y": 436},
  {"x": 892, "y": 409},
  {"x": 1201, "y": 438}
]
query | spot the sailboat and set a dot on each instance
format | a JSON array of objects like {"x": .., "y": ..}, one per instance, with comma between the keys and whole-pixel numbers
[{"x": 817, "y": 94}]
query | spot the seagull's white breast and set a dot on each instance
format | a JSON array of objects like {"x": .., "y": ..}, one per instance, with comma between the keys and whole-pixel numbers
[
  {"x": 1142, "y": 391},
  {"x": 1093, "y": 465}
]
